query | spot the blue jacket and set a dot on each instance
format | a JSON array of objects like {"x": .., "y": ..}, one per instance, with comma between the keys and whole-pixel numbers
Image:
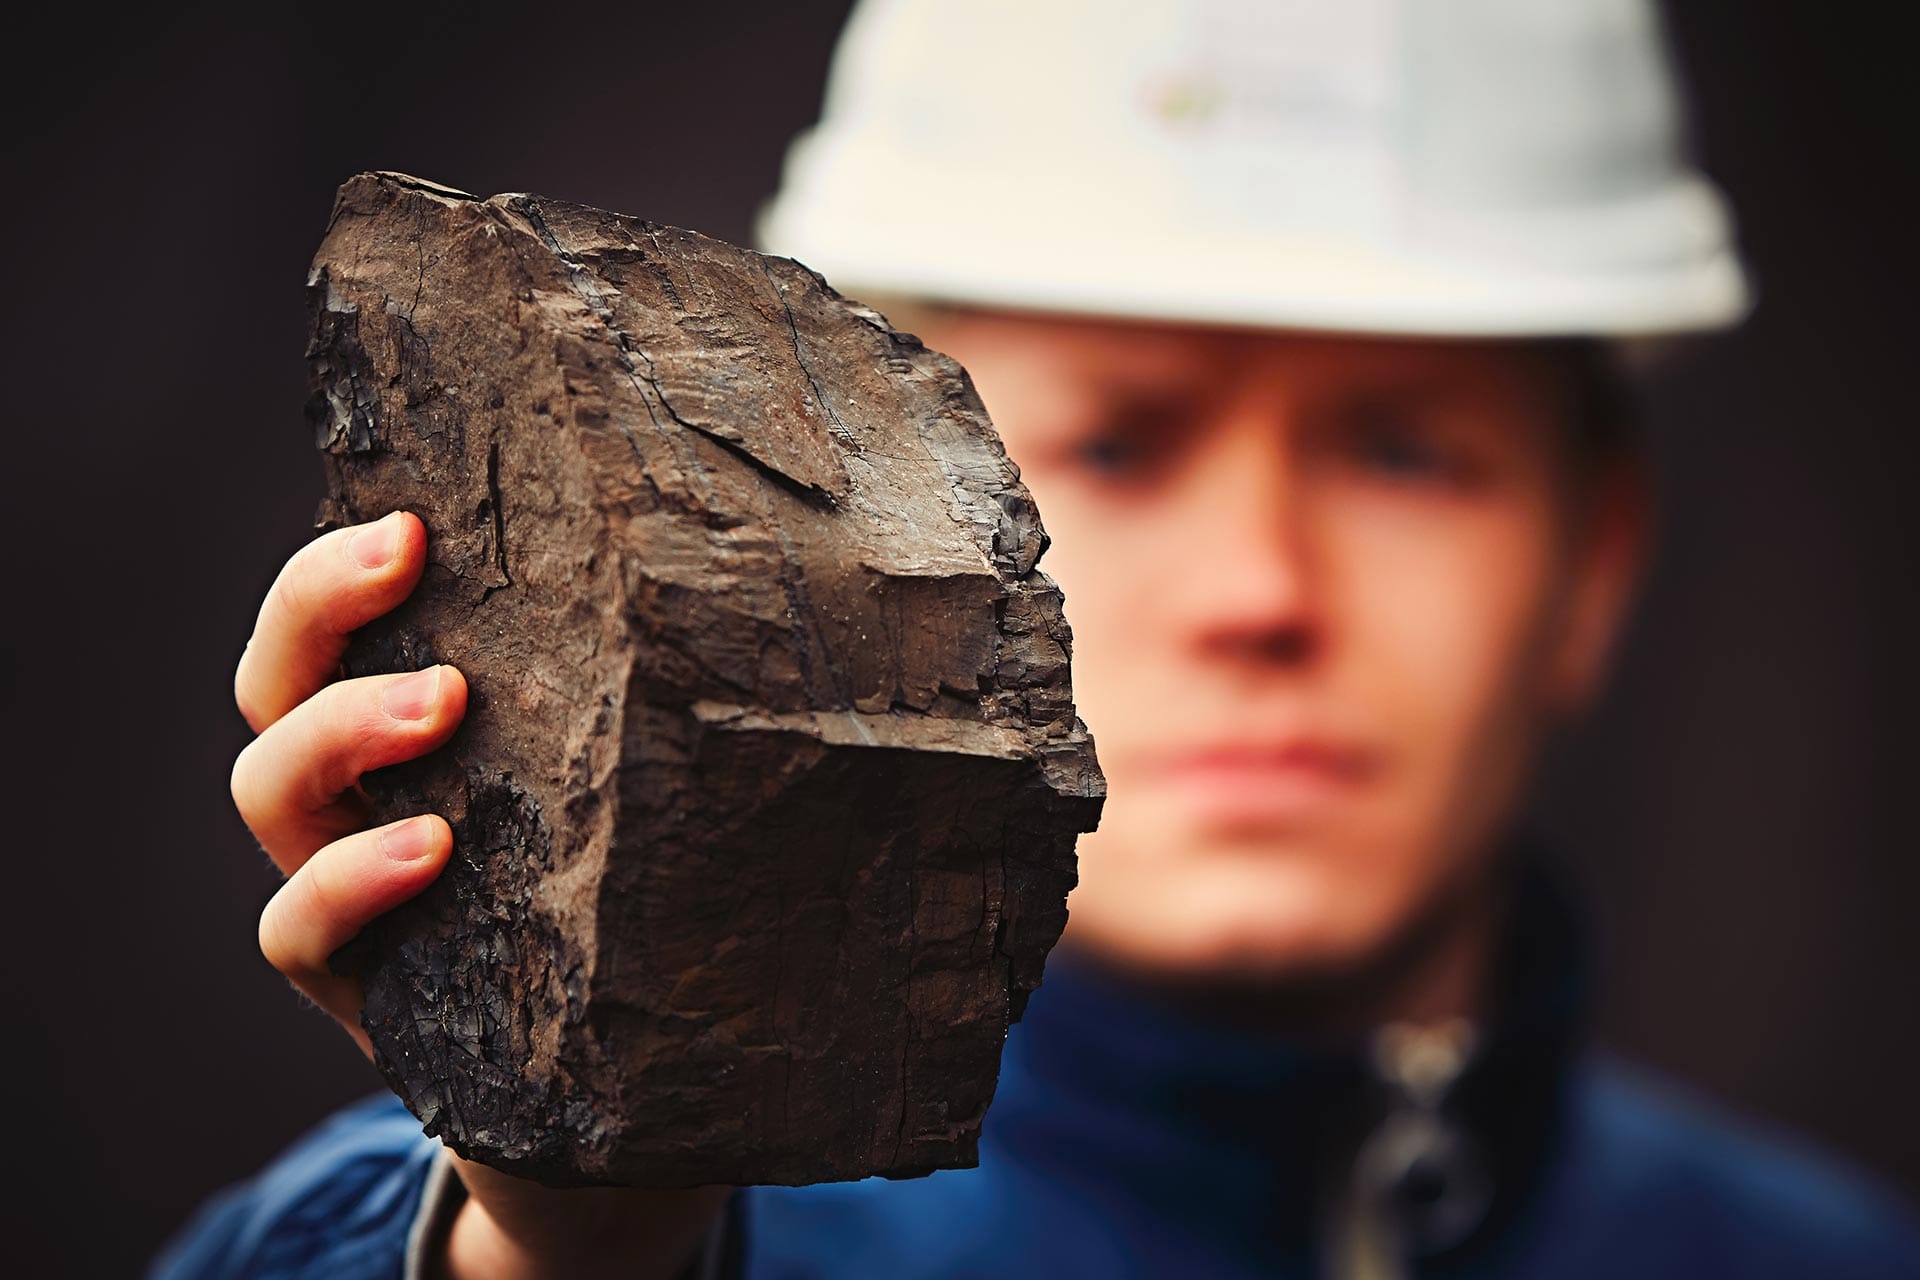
[{"x": 1131, "y": 1138}]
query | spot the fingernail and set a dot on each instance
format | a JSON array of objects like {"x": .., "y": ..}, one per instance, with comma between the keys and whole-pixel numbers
[
  {"x": 376, "y": 544},
  {"x": 408, "y": 842},
  {"x": 413, "y": 697}
]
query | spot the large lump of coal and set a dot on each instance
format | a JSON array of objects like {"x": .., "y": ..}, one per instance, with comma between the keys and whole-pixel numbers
[{"x": 766, "y": 799}]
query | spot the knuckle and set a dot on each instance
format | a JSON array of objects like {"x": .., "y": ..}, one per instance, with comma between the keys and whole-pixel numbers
[
  {"x": 350, "y": 730},
  {"x": 243, "y": 695},
  {"x": 328, "y": 891},
  {"x": 315, "y": 753},
  {"x": 311, "y": 589},
  {"x": 273, "y": 935},
  {"x": 331, "y": 735},
  {"x": 289, "y": 592},
  {"x": 294, "y": 918},
  {"x": 242, "y": 783}
]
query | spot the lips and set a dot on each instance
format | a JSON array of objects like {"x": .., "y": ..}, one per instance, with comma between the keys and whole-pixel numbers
[{"x": 1284, "y": 781}]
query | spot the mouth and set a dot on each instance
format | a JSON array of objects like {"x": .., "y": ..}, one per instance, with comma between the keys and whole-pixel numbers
[{"x": 1279, "y": 783}]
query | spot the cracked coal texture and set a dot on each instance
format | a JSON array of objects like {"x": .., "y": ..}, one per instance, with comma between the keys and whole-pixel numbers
[{"x": 766, "y": 799}]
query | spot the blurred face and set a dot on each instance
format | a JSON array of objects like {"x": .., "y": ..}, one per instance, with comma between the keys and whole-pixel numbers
[{"x": 1325, "y": 594}]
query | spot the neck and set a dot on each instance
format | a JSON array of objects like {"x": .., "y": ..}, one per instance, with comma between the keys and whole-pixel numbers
[{"x": 1437, "y": 967}]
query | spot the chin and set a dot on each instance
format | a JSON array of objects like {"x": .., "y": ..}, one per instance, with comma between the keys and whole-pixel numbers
[{"x": 1301, "y": 911}]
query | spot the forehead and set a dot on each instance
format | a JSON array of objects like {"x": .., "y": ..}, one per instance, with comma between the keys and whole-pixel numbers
[{"x": 1117, "y": 355}]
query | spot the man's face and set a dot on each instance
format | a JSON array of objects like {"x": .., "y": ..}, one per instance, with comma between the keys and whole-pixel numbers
[{"x": 1324, "y": 593}]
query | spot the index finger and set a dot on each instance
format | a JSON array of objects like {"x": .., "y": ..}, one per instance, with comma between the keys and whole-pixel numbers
[{"x": 338, "y": 582}]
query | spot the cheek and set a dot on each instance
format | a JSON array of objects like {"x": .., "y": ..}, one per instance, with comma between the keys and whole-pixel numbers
[
  {"x": 1105, "y": 555},
  {"x": 1097, "y": 552},
  {"x": 1442, "y": 613}
]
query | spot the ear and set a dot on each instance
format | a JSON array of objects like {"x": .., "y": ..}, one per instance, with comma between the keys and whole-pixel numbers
[{"x": 1608, "y": 550}]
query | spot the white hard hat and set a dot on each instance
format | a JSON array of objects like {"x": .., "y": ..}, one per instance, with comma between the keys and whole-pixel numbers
[{"x": 1493, "y": 167}]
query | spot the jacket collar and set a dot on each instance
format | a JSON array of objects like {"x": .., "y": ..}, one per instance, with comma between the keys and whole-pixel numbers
[{"x": 1110, "y": 1082}]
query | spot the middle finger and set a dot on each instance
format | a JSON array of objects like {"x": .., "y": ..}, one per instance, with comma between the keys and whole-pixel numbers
[{"x": 289, "y": 782}]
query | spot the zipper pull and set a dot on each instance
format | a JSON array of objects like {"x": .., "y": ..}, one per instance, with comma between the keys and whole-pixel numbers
[{"x": 1417, "y": 1184}]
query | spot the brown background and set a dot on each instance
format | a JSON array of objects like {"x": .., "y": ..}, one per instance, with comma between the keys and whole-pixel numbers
[{"x": 1738, "y": 809}]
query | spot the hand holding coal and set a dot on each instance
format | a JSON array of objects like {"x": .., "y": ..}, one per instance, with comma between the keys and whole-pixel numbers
[{"x": 766, "y": 799}]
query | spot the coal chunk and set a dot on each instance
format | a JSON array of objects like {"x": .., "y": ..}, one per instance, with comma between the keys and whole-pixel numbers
[{"x": 766, "y": 799}]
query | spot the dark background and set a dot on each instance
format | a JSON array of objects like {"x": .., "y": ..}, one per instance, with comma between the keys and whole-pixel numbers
[{"x": 1737, "y": 809}]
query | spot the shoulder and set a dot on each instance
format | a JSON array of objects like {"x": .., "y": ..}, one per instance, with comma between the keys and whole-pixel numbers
[
  {"x": 874, "y": 1227},
  {"x": 1684, "y": 1184},
  {"x": 338, "y": 1202},
  {"x": 997, "y": 1219}
]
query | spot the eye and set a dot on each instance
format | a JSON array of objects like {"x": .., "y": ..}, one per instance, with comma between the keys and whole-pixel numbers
[
  {"x": 1131, "y": 437},
  {"x": 1394, "y": 442},
  {"x": 1108, "y": 454},
  {"x": 1400, "y": 453}
]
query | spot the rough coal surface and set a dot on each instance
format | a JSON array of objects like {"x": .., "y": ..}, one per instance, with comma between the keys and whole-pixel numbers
[{"x": 766, "y": 799}]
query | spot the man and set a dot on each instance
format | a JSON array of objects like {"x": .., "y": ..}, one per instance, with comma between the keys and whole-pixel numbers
[{"x": 1295, "y": 319}]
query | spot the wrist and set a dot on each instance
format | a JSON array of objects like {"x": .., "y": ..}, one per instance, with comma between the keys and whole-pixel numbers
[
  {"x": 606, "y": 1232},
  {"x": 475, "y": 1248}
]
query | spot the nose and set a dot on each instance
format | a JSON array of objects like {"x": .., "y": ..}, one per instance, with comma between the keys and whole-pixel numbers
[{"x": 1249, "y": 591}]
